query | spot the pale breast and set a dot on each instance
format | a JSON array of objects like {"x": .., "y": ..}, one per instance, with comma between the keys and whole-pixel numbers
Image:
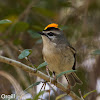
[{"x": 57, "y": 60}]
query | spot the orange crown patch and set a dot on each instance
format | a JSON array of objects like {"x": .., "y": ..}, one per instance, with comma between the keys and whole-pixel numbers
[{"x": 51, "y": 25}]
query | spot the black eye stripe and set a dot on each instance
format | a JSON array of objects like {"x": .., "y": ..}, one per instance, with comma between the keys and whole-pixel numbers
[{"x": 51, "y": 34}]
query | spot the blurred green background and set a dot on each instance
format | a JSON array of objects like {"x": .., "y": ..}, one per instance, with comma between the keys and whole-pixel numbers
[{"x": 80, "y": 21}]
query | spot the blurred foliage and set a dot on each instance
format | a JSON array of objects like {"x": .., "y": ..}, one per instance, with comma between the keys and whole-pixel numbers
[
  {"x": 35, "y": 84},
  {"x": 39, "y": 94},
  {"x": 79, "y": 19},
  {"x": 88, "y": 93},
  {"x": 60, "y": 96},
  {"x": 96, "y": 52},
  {"x": 5, "y": 21}
]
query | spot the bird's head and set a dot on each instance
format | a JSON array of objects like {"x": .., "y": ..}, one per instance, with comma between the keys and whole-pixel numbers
[{"x": 52, "y": 33}]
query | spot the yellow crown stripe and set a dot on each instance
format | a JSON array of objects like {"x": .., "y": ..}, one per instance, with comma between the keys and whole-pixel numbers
[{"x": 51, "y": 25}]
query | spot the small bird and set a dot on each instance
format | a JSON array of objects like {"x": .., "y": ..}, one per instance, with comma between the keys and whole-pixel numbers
[{"x": 58, "y": 53}]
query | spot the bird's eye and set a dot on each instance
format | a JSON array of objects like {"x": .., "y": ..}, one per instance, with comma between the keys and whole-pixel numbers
[{"x": 51, "y": 34}]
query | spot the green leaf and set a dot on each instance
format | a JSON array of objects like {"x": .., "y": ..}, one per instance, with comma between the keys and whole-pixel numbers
[
  {"x": 5, "y": 21},
  {"x": 35, "y": 84},
  {"x": 60, "y": 96},
  {"x": 88, "y": 93},
  {"x": 42, "y": 65},
  {"x": 39, "y": 94},
  {"x": 34, "y": 34},
  {"x": 66, "y": 72},
  {"x": 25, "y": 53},
  {"x": 96, "y": 52}
]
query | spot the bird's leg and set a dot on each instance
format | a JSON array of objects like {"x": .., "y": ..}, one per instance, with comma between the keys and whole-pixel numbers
[
  {"x": 54, "y": 78},
  {"x": 47, "y": 70}
]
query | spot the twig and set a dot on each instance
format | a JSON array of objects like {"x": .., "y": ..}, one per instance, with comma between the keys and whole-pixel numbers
[
  {"x": 37, "y": 73},
  {"x": 81, "y": 94}
]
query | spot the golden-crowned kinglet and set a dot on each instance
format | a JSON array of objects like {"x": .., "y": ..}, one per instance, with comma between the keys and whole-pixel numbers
[{"x": 58, "y": 53}]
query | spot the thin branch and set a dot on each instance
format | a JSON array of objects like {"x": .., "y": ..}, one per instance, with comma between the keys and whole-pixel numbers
[
  {"x": 55, "y": 92},
  {"x": 37, "y": 73}
]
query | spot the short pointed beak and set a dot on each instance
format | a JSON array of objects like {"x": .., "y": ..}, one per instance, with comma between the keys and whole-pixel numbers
[{"x": 41, "y": 33}]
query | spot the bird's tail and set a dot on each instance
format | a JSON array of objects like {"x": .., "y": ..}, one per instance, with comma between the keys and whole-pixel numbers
[{"x": 73, "y": 79}]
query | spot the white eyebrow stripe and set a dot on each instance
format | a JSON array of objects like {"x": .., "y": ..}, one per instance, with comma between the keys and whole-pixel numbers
[{"x": 55, "y": 32}]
